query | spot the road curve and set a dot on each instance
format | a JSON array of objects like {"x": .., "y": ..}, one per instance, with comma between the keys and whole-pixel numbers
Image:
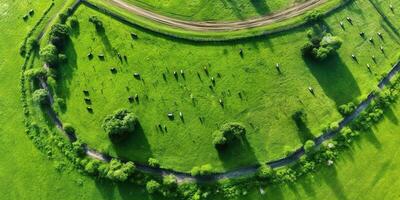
[{"x": 291, "y": 12}]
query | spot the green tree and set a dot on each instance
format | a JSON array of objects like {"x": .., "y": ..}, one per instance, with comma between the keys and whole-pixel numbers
[
  {"x": 152, "y": 186},
  {"x": 120, "y": 124},
  {"x": 40, "y": 96},
  {"x": 265, "y": 171},
  {"x": 49, "y": 55}
]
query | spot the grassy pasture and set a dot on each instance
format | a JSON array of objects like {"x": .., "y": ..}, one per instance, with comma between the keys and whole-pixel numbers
[
  {"x": 201, "y": 10},
  {"x": 367, "y": 171},
  {"x": 269, "y": 99}
]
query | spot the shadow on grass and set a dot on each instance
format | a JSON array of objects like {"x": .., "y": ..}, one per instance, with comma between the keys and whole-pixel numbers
[
  {"x": 65, "y": 73},
  {"x": 237, "y": 153},
  {"x": 135, "y": 147},
  {"x": 330, "y": 178},
  {"x": 260, "y": 6},
  {"x": 391, "y": 115},
  {"x": 371, "y": 137},
  {"x": 303, "y": 131},
  {"x": 335, "y": 79}
]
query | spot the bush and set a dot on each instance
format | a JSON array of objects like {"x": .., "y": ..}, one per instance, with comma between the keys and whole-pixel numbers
[
  {"x": 69, "y": 129},
  {"x": 314, "y": 16},
  {"x": 74, "y": 23},
  {"x": 36, "y": 73},
  {"x": 78, "y": 148},
  {"x": 285, "y": 175},
  {"x": 265, "y": 171},
  {"x": 40, "y": 96},
  {"x": 120, "y": 124},
  {"x": 153, "y": 162},
  {"x": 31, "y": 43},
  {"x": 227, "y": 133},
  {"x": 347, "y": 109},
  {"x": 49, "y": 55},
  {"x": 152, "y": 186},
  {"x": 202, "y": 170},
  {"x": 116, "y": 170},
  {"x": 309, "y": 146},
  {"x": 170, "y": 181}
]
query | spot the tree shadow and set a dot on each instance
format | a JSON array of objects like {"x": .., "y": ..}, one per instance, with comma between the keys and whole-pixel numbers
[
  {"x": 135, "y": 147},
  {"x": 369, "y": 134},
  {"x": 381, "y": 172},
  {"x": 235, "y": 8},
  {"x": 237, "y": 153},
  {"x": 64, "y": 73},
  {"x": 391, "y": 115},
  {"x": 260, "y": 6},
  {"x": 330, "y": 178},
  {"x": 106, "y": 188},
  {"x": 303, "y": 131},
  {"x": 104, "y": 38},
  {"x": 335, "y": 79}
]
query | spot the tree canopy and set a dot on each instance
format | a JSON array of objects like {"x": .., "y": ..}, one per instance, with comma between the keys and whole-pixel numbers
[{"x": 120, "y": 124}]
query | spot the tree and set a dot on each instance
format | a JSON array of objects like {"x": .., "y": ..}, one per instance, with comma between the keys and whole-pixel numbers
[
  {"x": 152, "y": 186},
  {"x": 49, "y": 55},
  {"x": 36, "y": 73},
  {"x": 40, "y": 96},
  {"x": 228, "y": 132},
  {"x": 309, "y": 146},
  {"x": 321, "y": 46},
  {"x": 59, "y": 33},
  {"x": 120, "y": 124},
  {"x": 117, "y": 171},
  {"x": 265, "y": 171},
  {"x": 202, "y": 170},
  {"x": 153, "y": 162},
  {"x": 170, "y": 181},
  {"x": 314, "y": 16}
]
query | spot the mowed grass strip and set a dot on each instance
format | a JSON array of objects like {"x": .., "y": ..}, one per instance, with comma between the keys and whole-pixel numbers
[{"x": 268, "y": 98}]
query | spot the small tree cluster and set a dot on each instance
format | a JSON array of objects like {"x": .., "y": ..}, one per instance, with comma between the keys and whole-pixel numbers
[
  {"x": 227, "y": 133},
  {"x": 265, "y": 172},
  {"x": 320, "y": 48},
  {"x": 309, "y": 146},
  {"x": 314, "y": 16},
  {"x": 201, "y": 170},
  {"x": 116, "y": 170},
  {"x": 347, "y": 109},
  {"x": 120, "y": 124}
]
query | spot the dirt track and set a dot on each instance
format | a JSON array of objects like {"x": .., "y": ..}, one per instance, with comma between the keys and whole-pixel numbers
[{"x": 220, "y": 26}]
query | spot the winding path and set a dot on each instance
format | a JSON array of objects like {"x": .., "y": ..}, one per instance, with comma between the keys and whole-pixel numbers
[{"x": 294, "y": 11}]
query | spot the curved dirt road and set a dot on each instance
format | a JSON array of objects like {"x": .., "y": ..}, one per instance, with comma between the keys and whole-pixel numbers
[{"x": 219, "y": 26}]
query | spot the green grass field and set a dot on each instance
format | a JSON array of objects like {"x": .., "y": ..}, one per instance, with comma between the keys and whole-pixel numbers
[
  {"x": 270, "y": 127},
  {"x": 367, "y": 171},
  {"x": 227, "y": 10}
]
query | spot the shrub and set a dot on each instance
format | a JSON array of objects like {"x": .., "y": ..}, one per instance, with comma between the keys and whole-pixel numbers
[
  {"x": 347, "y": 109},
  {"x": 120, "y": 124},
  {"x": 285, "y": 175},
  {"x": 36, "y": 73},
  {"x": 116, "y": 170},
  {"x": 69, "y": 129},
  {"x": 40, "y": 96},
  {"x": 31, "y": 43},
  {"x": 49, "y": 55},
  {"x": 265, "y": 171},
  {"x": 309, "y": 146},
  {"x": 314, "y": 16},
  {"x": 306, "y": 165},
  {"x": 74, "y": 23},
  {"x": 78, "y": 148},
  {"x": 170, "y": 181},
  {"x": 153, "y": 162},
  {"x": 227, "y": 133},
  {"x": 202, "y": 170},
  {"x": 152, "y": 186}
]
